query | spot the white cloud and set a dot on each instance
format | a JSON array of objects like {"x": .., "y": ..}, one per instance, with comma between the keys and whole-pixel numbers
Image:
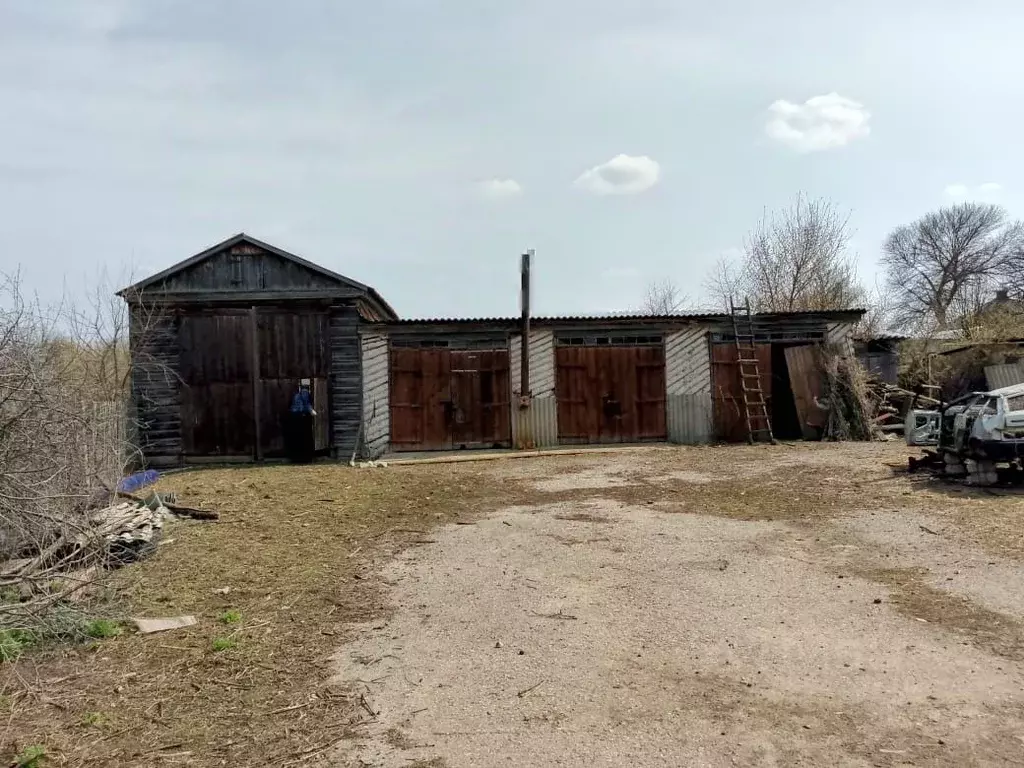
[
  {"x": 821, "y": 122},
  {"x": 500, "y": 189},
  {"x": 960, "y": 191},
  {"x": 622, "y": 175}
]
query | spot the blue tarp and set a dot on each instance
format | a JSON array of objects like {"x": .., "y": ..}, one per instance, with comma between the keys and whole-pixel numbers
[{"x": 139, "y": 480}]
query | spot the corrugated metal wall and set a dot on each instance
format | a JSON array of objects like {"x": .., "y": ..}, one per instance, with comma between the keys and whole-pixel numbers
[
  {"x": 1006, "y": 375},
  {"x": 536, "y": 426},
  {"x": 542, "y": 363},
  {"x": 376, "y": 405},
  {"x": 688, "y": 386},
  {"x": 841, "y": 334}
]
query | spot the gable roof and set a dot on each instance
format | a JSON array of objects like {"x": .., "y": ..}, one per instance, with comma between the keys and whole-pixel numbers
[{"x": 242, "y": 237}]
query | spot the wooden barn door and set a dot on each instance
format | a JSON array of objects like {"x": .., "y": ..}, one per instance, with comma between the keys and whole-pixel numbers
[
  {"x": 443, "y": 399},
  {"x": 216, "y": 368},
  {"x": 291, "y": 346},
  {"x": 730, "y": 420},
  {"x": 240, "y": 369},
  {"x": 419, "y": 390},
  {"x": 479, "y": 395},
  {"x": 610, "y": 394}
]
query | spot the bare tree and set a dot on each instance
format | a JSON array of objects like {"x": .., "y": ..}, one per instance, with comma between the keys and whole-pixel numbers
[
  {"x": 947, "y": 264},
  {"x": 797, "y": 258},
  {"x": 64, "y": 443},
  {"x": 881, "y": 315},
  {"x": 725, "y": 282},
  {"x": 663, "y": 297}
]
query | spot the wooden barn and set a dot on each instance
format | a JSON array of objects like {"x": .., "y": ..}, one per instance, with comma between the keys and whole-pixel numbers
[{"x": 221, "y": 341}]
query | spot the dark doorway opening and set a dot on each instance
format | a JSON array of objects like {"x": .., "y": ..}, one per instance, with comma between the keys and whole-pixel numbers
[{"x": 785, "y": 421}]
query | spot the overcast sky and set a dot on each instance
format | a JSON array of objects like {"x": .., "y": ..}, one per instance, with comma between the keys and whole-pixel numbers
[{"x": 420, "y": 146}]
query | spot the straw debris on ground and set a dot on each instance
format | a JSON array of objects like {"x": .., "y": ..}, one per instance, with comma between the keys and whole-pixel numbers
[{"x": 299, "y": 555}]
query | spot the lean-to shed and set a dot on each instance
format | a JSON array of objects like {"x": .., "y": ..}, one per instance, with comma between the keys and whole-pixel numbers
[
  {"x": 441, "y": 384},
  {"x": 220, "y": 342}
]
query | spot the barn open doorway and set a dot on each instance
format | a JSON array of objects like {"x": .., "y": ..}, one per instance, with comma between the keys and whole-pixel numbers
[{"x": 785, "y": 421}]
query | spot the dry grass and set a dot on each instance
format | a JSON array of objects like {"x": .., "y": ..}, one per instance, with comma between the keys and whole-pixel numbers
[
  {"x": 986, "y": 629},
  {"x": 296, "y": 547},
  {"x": 299, "y": 548}
]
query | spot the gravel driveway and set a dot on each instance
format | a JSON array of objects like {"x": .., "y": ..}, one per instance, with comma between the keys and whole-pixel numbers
[{"x": 702, "y": 607}]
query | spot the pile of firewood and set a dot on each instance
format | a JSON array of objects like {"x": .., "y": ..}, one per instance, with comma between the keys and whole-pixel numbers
[{"x": 893, "y": 403}]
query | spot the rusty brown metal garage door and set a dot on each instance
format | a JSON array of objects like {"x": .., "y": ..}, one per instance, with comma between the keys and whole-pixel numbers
[
  {"x": 443, "y": 399},
  {"x": 730, "y": 421},
  {"x": 610, "y": 394}
]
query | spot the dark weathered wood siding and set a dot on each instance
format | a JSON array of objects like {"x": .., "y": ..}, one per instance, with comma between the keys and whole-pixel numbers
[
  {"x": 216, "y": 369},
  {"x": 244, "y": 268},
  {"x": 256, "y": 320},
  {"x": 155, "y": 349},
  {"x": 292, "y": 345},
  {"x": 346, "y": 380}
]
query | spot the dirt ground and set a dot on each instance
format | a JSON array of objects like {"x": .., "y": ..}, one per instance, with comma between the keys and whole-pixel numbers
[{"x": 792, "y": 605}]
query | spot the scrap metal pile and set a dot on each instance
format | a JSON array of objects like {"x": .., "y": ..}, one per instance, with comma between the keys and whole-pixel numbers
[
  {"x": 978, "y": 438},
  {"x": 892, "y": 403}
]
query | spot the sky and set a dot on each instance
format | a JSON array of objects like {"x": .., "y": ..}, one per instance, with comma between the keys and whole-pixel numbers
[{"x": 420, "y": 146}]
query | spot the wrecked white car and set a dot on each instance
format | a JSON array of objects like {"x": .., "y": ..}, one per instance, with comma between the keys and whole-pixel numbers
[{"x": 974, "y": 433}]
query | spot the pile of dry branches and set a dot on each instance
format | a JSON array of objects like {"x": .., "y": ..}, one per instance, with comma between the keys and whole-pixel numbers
[
  {"x": 63, "y": 426},
  {"x": 846, "y": 393}
]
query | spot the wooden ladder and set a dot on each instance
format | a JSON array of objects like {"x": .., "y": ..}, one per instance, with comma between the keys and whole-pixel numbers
[{"x": 755, "y": 409}]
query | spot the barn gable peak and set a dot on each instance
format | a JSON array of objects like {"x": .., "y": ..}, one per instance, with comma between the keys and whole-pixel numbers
[{"x": 244, "y": 266}]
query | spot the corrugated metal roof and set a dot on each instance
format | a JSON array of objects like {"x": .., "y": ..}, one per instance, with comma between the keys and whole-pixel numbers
[
  {"x": 628, "y": 317},
  {"x": 977, "y": 344},
  {"x": 881, "y": 337}
]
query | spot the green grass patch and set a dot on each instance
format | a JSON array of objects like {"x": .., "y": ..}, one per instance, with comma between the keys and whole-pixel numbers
[
  {"x": 224, "y": 644},
  {"x": 31, "y": 757},
  {"x": 14, "y": 642},
  {"x": 102, "y": 629}
]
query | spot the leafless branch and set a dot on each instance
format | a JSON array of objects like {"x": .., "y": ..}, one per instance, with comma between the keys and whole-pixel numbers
[
  {"x": 946, "y": 265},
  {"x": 663, "y": 297},
  {"x": 797, "y": 258},
  {"x": 65, "y": 432}
]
